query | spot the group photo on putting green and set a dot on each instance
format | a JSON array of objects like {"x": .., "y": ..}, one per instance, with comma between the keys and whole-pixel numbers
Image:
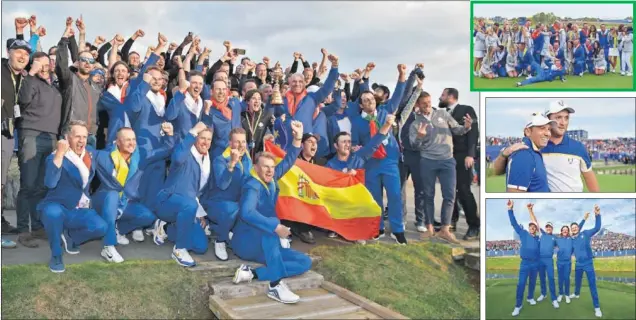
[
  {"x": 560, "y": 145},
  {"x": 552, "y": 46},
  {"x": 560, "y": 242}
]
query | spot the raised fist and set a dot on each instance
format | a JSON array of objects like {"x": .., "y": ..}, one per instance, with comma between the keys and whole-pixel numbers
[
  {"x": 69, "y": 21},
  {"x": 140, "y": 33},
  {"x": 297, "y": 129},
  {"x": 370, "y": 66},
  {"x": 530, "y": 206},
  {"x": 390, "y": 119},
  {"x": 401, "y": 68},
  {"x": 162, "y": 40},
  {"x": 324, "y": 51},
  {"x": 227, "y": 44},
  {"x": 99, "y": 40},
  {"x": 79, "y": 23},
  {"x": 41, "y": 31},
  {"x": 33, "y": 21},
  {"x": 21, "y": 23},
  {"x": 597, "y": 210},
  {"x": 266, "y": 60},
  {"x": 333, "y": 58},
  {"x": 167, "y": 128},
  {"x": 200, "y": 126},
  {"x": 235, "y": 156},
  {"x": 62, "y": 147},
  {"x": 296, "y": 55},
  {"x": 511, "y": 204},
  {"x": 172, "y": 46}
]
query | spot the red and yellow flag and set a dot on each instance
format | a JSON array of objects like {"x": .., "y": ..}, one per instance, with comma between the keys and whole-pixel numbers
[{"x": 327, "y": 198}]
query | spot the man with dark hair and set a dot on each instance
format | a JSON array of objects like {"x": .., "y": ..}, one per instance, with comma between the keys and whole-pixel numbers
[
  {"x": 464, "y": 153},
  {"x": 40, "y": 105}
]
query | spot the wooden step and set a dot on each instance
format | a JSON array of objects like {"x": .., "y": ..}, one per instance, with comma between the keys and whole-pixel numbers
[
  {"x": 326, "y": 302},
  {"x": 225, "y": 289},
  {"x": 471, "y": 260},
  {"x": 226, "y": 268}
]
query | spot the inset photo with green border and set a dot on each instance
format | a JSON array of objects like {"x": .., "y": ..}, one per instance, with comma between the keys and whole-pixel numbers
[{"x": 552, "y": 46}]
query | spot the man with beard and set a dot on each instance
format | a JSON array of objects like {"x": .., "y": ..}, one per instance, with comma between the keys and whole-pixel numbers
[
  {"x": 430, "y": 134},
  {"x": 526, "y": 171},
  {"x": 381, "y": 171},
  {"x": 222, "y": 194},
  {"x": 178, "y": 201},
  {"x": 40, "y": 108},
  {"x": 464, "y": 152},
  {"x": 255, "y": 121},
  {"x": 582, "y": 247},
  {"x": 65, "y": 210},
  {"x": 13, "y": 74},
  {"x": 258, "y": 232},
  {"x": 223, "y": 116},
  {"x": 79, "y": 94},
  {"x": 119, "y": 169},
  {"x": 547, "y": 242},
  {"x": 529, "y": 252},
  {"x": 564, "y": 257},
  {"x": 566, "y": 159}
]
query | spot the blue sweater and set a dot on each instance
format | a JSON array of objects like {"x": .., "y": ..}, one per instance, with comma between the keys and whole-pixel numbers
[
  {"x": 227, "y": 185},
  {"x": 565, "y": 247},
  {"x": 222, "y": 126},
  {"x": 184, "y": 120},
  {"x": 529, "y": 243},
  {"x": 547, "y": 242},
  {"x": 65, "y": 183},
  {"x": 582, "y": 244},
  {"x": 357, "y": 159}
]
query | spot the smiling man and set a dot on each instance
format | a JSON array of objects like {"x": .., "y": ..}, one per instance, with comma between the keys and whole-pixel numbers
[{"x": 526, "y": 171}]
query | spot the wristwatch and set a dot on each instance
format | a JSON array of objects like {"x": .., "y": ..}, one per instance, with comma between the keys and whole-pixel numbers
[{"x": 501, "y": 153}]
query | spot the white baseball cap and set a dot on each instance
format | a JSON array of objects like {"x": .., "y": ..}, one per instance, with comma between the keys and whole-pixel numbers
[
  {"x": 538, "y": 120},
  {"x": 549, "y": 224},
  {"x": 557, "y": 106}
]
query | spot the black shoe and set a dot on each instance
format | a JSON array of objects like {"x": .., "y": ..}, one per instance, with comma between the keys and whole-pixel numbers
[
  {"x": 472, "y": 234},
  {"x": 399, "y": 237},
  {"x": 453, "y": 226},
  {"x": 7, "y": 228},
  {"x": 306, "y": 237},
  {"x": 380, "y": 235},
  {"x": 436, "y": 224}
]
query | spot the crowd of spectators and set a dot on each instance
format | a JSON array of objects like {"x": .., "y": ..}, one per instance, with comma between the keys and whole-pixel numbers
[{"x": 610, "y": 241}]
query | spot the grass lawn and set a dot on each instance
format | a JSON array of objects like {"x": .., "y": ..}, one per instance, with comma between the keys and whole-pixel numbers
[
  {"x": 614, "y": 264},
  {"x": 419, "y": 280},
  {"x": 616, "y": 300},
  {"x": 607, "y": 183},
  {"x": 588, "y": 81}
]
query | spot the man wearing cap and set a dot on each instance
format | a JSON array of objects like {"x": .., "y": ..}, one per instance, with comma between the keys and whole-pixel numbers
[
  {"x": 582, "y": 247},
  {"x": 310, "y": 146},
  {"x": 529, "y": 252},
  {"x": 40, "y": 106},
  {"x": 13, "y": 74},
  {"x": 547, "y": 242},
  {"x": 544, "y": 75},
  {"x": 565, "y": 159},
  {"x": 526, "y": 171}
]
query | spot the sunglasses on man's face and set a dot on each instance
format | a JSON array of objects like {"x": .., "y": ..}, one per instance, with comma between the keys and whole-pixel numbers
[{"x": 87, "y": 60}]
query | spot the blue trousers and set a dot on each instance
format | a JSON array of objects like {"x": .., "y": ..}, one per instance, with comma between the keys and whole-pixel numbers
[
  {"x": 182, "y": 211},
  {"x": 387, "y": 176},
  {"x": 82, "y": 225},
  {"x": 591, "y": 281},
  {"x": 151, "y": 182},
  {"x": 224, "y": 217},
  {"x": 411, "y": 166},
  {"x": 501, "y": 71},
  {"x": 609, "y": 65},
  {"x": 430, "y": 171},
  {"x": 563, "y": 272},
  {"x": 278, "y": 262},
  {"x": 546, "y": 265},
  {"x": 590, "y": 66},
  {"x": 539, "y": 78},
  {"x": 134, "y": 216},
  {"x": 198, "y": 240},
  {"x": 578, "y": 67},
  {"x": 527, "y": 269}
]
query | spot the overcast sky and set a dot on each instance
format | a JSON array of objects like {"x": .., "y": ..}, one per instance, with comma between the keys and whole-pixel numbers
[
  {"x": 601, "y": 117},
  {"x": 387, "y": 33},
  {"x": 617, "y": 215},
  {"x": 603, "y": 11}
]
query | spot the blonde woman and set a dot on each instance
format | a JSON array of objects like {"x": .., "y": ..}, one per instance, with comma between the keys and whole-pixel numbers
[
  {"x": 613, "y": 49},
  {"x": 491, "y": 38},
  {"x": 506, "y": 35},
  {"x": 486, "y": 66},
  {"x": 511, "y": 61},
  {"x": 479, "y": 48}
]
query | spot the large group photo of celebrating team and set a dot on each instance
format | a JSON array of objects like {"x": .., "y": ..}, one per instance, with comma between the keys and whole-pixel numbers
[
  {"x": 123, "y": 140},
  {"x": 552, "y": 46}
]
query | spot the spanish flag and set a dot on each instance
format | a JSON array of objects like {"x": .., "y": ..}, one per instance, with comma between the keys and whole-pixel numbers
[{"x": 326, "y": 198}]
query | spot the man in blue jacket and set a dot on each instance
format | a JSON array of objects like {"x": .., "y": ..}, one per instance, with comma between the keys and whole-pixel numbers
[
  {"x": 582, "y": 245},
  {"x": 223, "y": 116},
  {"x": 258, "y": 232},
  {"x": 529, "y": 252},
  {"x": 579, "y": 58},
  {"x": 547, "y": 242},
  {"x": 119, "y": 168},
  {"x": 65, "y": 210},
  {"x": 223, "y": 193},
  {"x": 178, "y": 201},
  {"x": 546, "y": 75}
]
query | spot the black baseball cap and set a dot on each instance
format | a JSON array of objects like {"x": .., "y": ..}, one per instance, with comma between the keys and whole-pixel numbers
[
  {"x": 13, "y": 44},
  {"x": 308, "y": 135}
]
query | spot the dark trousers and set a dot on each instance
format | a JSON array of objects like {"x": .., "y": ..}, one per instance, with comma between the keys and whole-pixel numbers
[
  {"x": 465, "y": 196},
  {"x": 411, "y": 167},
  {"x": 34, "y": 148},
  {"x": 298, "y": 227},
  {"x": 431, "y": 170}
]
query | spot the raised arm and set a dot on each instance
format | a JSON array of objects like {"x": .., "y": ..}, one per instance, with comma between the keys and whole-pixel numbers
[
  {"x": 81, "y": 27},
  {"x": 248, "y": 211},
  {"x": 587, "y": 215},
  {"x": 394, "y": 102},
  {"x": 292, "y": 151},
  {"x": 54, "y": 164},
  {"x": 513, "y": 220},
  {"x": 125, "y": 50},
  {"x": 533, "y": 218},
  {"x": 408, "y": 107},
  {"x": 182, "y": 151},
  {"x": 61, "y": 60},
  {"x": 165, "y": 150},
  {"x": 408, "y": 91},
  {"x": 330, "y": 83},
  {"x": 597, "y": 223},
  {"x": 117, "y": 42}
]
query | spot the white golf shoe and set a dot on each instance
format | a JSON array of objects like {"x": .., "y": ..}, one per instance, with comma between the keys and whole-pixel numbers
[
  {"x": 515, "y": 312},
  {"x": 281, "y": 293},
  {"x": 111, "y": 255}
]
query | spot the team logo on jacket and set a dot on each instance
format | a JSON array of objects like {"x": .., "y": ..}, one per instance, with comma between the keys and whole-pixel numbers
[{"x": 305, "y": 190}]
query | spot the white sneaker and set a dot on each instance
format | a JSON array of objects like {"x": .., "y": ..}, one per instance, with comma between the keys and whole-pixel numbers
[
  {"x": 567, "y": 299},
  {"x": 515, "y": 312},
  {"x": 111, "y": 255},
  {"x": 597, "y": 312},
  {"x": 572, "y": 296},
  {"x": 421, "y": 229},
  {"x": 540, "y": 298},
  {"x": 285, "y": 243},
  {"x": 220, "y": 251},
  {"x": 577, "y": 297},
  {"x": 531, "y": 302},
  {"x": 622, "y": 73},
  {"x": 281, "y": 293},
  {"x": 555, "y": 304},
  {"x": 182, "y": 257},
  {"x": 560, "y": 298},
  {"x": 159, "y": 235},
  {"x": 629, "y": 74},
  {"x": 138, "y": 235},
  {"x": 121, "y": 239},
  {"x": 207, "y": 230},
  {"x": 243, "y": 273},
  {"x": 362, "y": 242}
]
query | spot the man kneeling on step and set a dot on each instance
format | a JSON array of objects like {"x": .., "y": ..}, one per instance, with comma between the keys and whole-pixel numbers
[{"x": 258, "y": 231}]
